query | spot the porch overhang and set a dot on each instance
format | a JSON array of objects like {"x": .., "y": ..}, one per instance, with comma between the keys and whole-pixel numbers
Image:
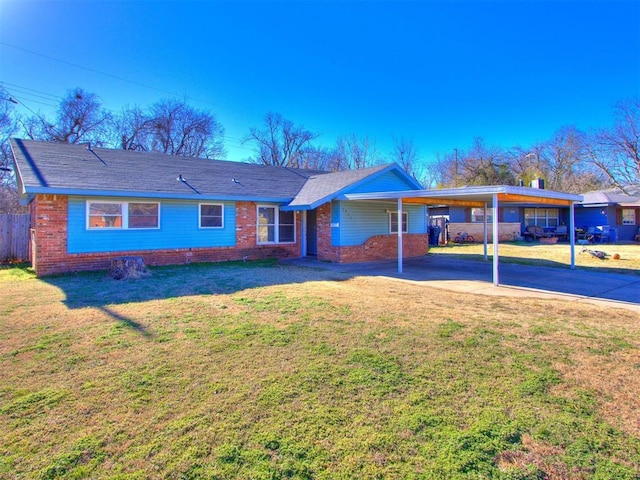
[{"x": 481, "y": 197}]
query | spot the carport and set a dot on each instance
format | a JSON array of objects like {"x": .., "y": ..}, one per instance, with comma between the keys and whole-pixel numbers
[{"x": 481, "y": 197}]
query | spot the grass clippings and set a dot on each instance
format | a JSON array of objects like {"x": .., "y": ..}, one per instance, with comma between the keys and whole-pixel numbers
[{"x": 258, "y": 370}]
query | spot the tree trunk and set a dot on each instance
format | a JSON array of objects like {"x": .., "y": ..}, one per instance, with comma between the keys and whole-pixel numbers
[{"x": 127, "y": 267}]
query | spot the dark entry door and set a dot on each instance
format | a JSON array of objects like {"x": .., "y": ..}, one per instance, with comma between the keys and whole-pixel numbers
[{"x": 312, "y": 233}]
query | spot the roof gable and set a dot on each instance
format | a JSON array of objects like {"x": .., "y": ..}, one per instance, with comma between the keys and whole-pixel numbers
[{"x": 320, "y": 189}]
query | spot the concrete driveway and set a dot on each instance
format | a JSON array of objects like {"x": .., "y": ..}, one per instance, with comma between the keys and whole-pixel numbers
[{"x": 473, "y": 276}]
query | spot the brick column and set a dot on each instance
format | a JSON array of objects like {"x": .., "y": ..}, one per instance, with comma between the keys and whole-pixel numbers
[{"x": 49, "y": 223}]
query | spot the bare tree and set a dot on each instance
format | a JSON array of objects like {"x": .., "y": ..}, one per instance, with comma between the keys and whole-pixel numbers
[
  {"x": 131, "y": 129},
  {"x": 406, "y": 154},
  {"x": 562, "y": 162},
  {"x": 178, "y": 129},
  {"x": 483, "y": 165},
  {"x": 280, "y": 142},
  {"x": 79, "y": 118},
  {"x": 616, "y": 151},
  {"x": 8, "y": 126},
  {"x": 351, "y": 153}
]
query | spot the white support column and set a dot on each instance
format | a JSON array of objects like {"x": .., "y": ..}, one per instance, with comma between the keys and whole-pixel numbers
[
  {"x": 485, "y": 232},
  {"x": 572, "y": 235},
  {"x": 496, "y": 255},
  {"x": 399, "y": 235}
]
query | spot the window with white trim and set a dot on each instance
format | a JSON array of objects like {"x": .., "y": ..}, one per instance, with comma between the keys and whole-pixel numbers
[
  {"x": 122, "y": 215},
  {"x": 477, "y": 215},
  {"x": 628, "y": 216},
  {"x": 211, "y": 215},
  {"x": 393, "y": 222},
  {"x": 542, "y": 217},
  {"x": 275, "y": 226}
]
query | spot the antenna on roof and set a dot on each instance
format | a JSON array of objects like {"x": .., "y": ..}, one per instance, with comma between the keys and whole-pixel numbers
[
  {"x": 184, "y": 180},
  {"x": 88, "y": 144}
]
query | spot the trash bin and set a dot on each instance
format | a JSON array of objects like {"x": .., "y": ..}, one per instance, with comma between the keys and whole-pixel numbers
[{"x": 434, "y": 234}]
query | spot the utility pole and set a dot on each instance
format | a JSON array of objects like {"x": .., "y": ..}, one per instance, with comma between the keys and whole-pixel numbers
[{"x": 455, "y": 178}]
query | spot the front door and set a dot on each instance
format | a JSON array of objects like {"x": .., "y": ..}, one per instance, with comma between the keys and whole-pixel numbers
[{"x": 312, "y": 233}]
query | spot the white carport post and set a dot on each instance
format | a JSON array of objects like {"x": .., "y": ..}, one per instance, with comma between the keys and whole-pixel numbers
[
  {"x": 495, "y": 240},
  {"x": 485, "y": 232},
  {"x": 399, "y": 235},
  {"x": 572, "y": 235}
]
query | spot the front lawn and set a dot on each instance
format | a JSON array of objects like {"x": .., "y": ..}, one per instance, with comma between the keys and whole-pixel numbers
[
  {"x": 263, "y": 371},
  {"x": 621, "y": 258}
]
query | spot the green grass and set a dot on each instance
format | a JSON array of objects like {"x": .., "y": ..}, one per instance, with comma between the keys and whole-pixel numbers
[
  {"x": 268, "y": 372},
  {"x": 556, "y": 255}
]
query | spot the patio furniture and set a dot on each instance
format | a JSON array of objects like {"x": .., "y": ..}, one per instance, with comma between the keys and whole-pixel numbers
[
  {"x": 605, "y": 233},
  {"x": 562, "y": 232},
  {"x": 534, "y": 232}
]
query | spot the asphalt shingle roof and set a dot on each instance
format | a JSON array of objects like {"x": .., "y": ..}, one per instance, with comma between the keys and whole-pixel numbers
[
  {"x": 319, "y": 188},
  {"x": 613, "y": 196},
  {"x": 47, "y": 166}
]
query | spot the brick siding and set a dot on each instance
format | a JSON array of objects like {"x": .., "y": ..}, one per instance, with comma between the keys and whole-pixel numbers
[
  {"x": 49, "y": 240},
  {"x": 506, "y": 231},
  {"x": 376, "y": 248}
]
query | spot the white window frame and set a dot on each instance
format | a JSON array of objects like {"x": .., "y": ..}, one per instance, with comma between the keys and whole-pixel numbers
[
  {"x": 276, "y": 227},
  {"x": 541, "y": 217},
  {"x": 124, "y": 210},
  {"x": 210, "y": 205},
  {"x": 405, "y": 222},
  {"x": 477, "y": 215},
  {"x": 631, "y": 216}
]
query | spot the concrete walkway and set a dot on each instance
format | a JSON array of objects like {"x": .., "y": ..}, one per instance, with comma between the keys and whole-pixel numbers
[{"x": 473, "y": 276}]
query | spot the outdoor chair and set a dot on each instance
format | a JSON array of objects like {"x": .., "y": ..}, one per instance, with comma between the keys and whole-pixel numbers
[
  {"x": 562, "y": 232},
  {"x": 605, "y": 234},
  {"x": 534, "y": 232}
]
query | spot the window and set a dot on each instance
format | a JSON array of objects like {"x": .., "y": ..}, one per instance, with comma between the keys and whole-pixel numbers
[
  {"x": 477, "y": 215},
  {"x": 211, "y": 215},
  {"x": 628, "y": 216},
  {"x": 105, "y": 215},
  {"x": 143, "y": 215},
  {"x": 542, "y": 217},
  {"x": 122, "y": 215},
  {"x": 275, "y": 226},
  {"x": 393, "y": 222}
]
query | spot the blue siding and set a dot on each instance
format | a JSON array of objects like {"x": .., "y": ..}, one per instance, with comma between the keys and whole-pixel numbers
[
  {"x": 178, "y": 229},
  {"x": 511, "y": 214},
  {"x": 387, "y": 182},
  {"x": 592, "y": 217},
  {"x": 457, "y": 214},
  {"x": 362, "y": 220}
]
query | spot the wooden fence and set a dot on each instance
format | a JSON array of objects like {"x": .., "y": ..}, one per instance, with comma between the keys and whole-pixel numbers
[{"x": 14, "y": 237}]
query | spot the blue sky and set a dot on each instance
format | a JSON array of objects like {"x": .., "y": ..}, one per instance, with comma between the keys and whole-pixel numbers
[{"x": 440, "y": 73}]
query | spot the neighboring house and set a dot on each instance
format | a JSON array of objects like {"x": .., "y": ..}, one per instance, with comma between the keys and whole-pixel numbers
[
  {"x": 612, "y": 207},
  {"x": 513, "y": 219},
  {"x": 604, "y": 208},
  {"x": 89, "y": 205}
]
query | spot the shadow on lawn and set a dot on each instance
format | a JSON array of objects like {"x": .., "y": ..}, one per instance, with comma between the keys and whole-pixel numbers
[{"x": 98, "y": 290}]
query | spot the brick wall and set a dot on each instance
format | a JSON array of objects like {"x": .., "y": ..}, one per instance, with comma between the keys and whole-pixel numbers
[
  {"x": 49, "y": 230},
  {"x": 385, "y": 247},
  {"x": 379, "y": 247},
  {"x": 506, "y": 231}
]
